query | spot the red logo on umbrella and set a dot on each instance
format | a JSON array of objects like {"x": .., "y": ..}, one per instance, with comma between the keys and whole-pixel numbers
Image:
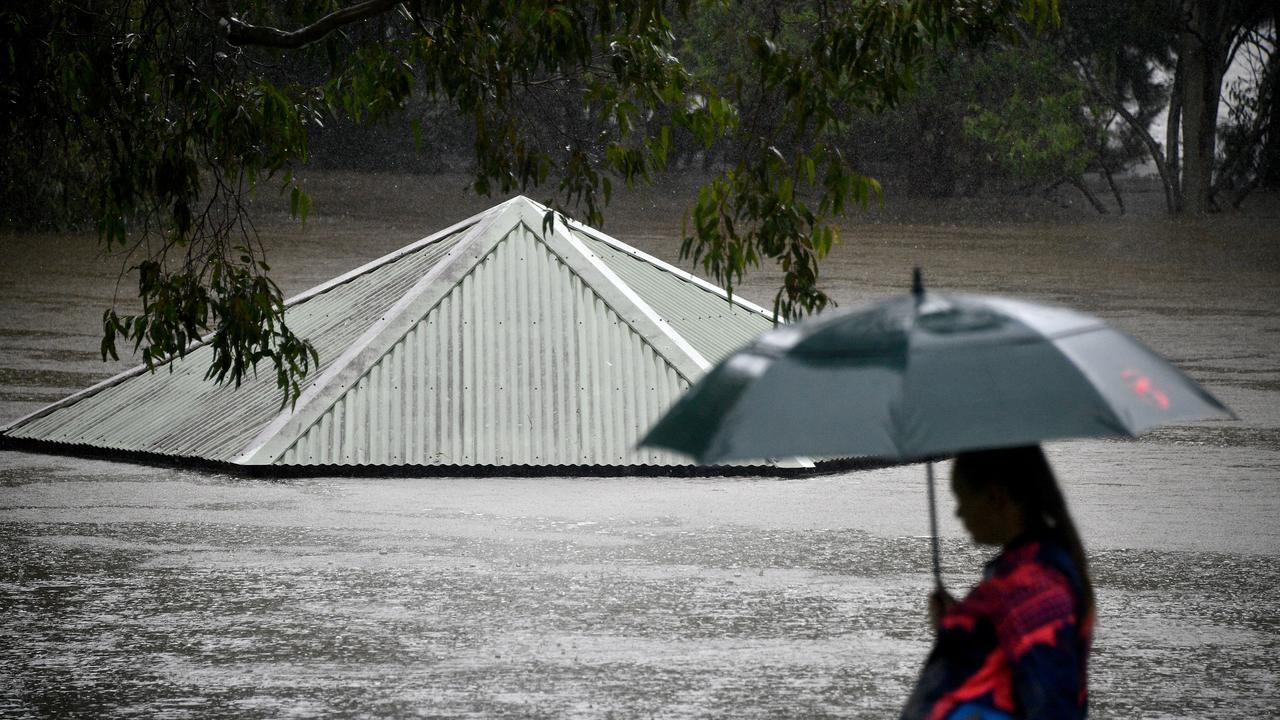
[{"x": 1143, "y": 387}]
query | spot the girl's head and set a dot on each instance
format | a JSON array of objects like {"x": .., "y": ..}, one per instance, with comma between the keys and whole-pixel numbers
[{"x": 1004, "y": 493}]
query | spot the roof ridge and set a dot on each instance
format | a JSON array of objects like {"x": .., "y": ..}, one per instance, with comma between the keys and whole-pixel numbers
[
  {"x": 384, "y": 333},
  {"x": 397, "y": 254},
  {"x": 606, "y": 284},
  {"x": 615, "y": 243},
  {"x": 667, "y": 267},
  {"x": 628, "y": 293}
]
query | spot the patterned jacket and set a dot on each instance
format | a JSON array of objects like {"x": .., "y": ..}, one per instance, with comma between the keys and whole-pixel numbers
[{"x": 1016, "y": 646}]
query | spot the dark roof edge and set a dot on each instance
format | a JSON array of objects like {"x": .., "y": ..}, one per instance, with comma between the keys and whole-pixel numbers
[{"x": 282, "y": 472}]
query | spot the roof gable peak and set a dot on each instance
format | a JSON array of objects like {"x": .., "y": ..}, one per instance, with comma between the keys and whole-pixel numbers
[{"x": 482, "y": 237}]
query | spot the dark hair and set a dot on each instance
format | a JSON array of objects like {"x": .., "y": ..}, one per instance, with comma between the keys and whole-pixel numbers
[{"x": 1025, "y": 474}]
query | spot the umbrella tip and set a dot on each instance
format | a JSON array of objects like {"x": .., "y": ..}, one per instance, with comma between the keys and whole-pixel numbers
[{"x": 917, "y": 283}]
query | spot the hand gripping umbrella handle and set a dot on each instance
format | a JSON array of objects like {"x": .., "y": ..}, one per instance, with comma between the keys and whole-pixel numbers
[{"x": 933, "y": 530}]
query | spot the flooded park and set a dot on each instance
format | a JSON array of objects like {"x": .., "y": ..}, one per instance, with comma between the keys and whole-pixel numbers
[{"x": 143, "y": 591}]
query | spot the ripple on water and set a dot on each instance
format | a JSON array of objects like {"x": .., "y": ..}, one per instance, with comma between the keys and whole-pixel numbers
[{"x": 533, "y": 619}]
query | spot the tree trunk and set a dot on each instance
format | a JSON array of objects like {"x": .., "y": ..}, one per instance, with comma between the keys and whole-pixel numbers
[
  {"x": 1172, "y": 143},
  {"x": 1269, "y": 173},
  {"x": 1201, "y": 58},
  {"x": 1115, "y": 191},
  {"x": 1168, "y": 179},
  {"x": 1078, "y": 183}
]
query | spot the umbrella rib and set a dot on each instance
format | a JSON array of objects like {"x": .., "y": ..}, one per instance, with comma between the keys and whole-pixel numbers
[{"x": 1076, "y": 331}]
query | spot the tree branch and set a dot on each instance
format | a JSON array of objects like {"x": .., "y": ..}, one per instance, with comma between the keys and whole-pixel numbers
[
  {"x": 1238, "y": 158},
  {"x": 1078, "y": 183},
  {"x": 1111, "y": 183},
  {"x": 242, "y": 33},
  {"x": 1153, "y": 148}
]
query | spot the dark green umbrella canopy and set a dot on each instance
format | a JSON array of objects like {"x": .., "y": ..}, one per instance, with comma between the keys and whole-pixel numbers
[{"x": 928, "y": 375}]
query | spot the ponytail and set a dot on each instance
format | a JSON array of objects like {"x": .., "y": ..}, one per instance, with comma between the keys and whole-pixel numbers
[{"x": 1025, "y": 474}]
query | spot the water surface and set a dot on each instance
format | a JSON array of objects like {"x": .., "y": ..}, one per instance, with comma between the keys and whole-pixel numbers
[{"x": 156, "y": 592}]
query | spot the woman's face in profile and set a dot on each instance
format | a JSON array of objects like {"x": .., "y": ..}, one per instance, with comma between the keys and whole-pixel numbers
[{"x": 988, "y": 514}]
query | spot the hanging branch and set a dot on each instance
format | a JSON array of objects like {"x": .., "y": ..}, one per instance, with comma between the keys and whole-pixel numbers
[
  {"x": 242, "y": 33},
  {"x": 1153, "y": 147}
]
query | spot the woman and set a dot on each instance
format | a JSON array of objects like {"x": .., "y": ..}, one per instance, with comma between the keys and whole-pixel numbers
[{"x": 1017, "y": 645}]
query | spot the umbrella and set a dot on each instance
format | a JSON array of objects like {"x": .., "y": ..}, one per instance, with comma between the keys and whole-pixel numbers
[{"x": 926, "y": 375}]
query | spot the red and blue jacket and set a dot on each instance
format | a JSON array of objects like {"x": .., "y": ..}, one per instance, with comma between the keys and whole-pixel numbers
[{"x": 1016, "y": 646}]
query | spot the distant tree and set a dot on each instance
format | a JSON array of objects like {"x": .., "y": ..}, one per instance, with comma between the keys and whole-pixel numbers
[
  {"x": 1249, "y": 140},
  {"x": 1118, "y": 46},
  {"x": 1209, "y": 36},
  {"x": 1007, "y": 115},
  {"x": 159, "y": 116},
  {"x": 1029, "y": 118},
  {"x": 920, "y": 142}
]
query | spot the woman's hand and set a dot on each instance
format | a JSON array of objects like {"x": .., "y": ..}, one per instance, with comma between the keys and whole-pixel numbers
[{"x": 940, "y": 602}]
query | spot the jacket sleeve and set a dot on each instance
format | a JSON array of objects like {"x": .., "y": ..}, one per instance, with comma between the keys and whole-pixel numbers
[{"x": 1038, "y": 635}]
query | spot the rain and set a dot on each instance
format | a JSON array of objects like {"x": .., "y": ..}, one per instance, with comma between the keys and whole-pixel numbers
[{"x": 139, "y": 587}]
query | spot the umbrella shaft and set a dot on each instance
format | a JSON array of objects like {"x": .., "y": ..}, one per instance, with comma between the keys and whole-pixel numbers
[{"x": 933, "y": 529}]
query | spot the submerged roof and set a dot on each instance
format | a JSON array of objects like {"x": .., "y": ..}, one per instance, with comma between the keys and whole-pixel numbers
[{"x": 490, "y": 343}]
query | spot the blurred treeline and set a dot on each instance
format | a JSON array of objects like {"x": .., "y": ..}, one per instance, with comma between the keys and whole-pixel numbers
[
  {"x": 1106, "y": 91},
  {"x": 1076, "y": 105},
  {"x": 1004, "y": 117}
]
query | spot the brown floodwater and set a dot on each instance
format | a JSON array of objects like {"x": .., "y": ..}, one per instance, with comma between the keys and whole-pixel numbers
[{"x": 157, "y": 592}]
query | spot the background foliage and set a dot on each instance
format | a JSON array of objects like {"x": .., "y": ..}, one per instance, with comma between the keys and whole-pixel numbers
[{"x": 154, "y": 119}]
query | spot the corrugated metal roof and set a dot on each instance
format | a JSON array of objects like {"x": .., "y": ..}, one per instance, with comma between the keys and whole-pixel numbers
[
  {"x": 490, "y": 343},
  {"x": 520, "y": 364},
  {"x": 175, "y": 411},
  {"x": 703, "y": 314}
]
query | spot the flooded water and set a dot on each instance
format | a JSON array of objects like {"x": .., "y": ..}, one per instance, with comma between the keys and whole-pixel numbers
[{"x": 156, "y": 592}]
